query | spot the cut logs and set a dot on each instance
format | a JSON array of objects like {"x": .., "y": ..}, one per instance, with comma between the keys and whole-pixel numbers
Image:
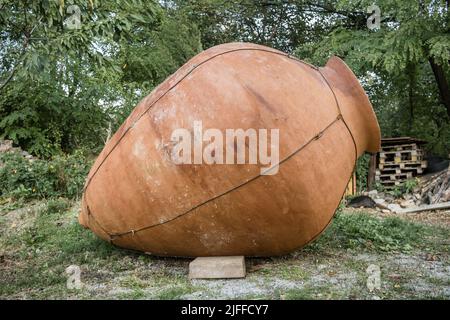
[
  {"x": 432, "y": 193},
  {"x": 436, "y": 188}
]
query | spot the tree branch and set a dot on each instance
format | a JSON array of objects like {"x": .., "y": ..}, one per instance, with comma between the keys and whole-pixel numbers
[
  {"x": 442, "y": 83},
  {"x": 22, "y": 54}
]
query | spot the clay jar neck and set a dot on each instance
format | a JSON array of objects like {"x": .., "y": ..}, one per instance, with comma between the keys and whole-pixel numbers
[{"x": 355, "y": 106}]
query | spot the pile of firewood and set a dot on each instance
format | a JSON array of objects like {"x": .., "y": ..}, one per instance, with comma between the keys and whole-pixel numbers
[{"x": 436, "y": 188}]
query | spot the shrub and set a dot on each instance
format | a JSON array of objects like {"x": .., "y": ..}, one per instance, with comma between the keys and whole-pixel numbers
[
  {"x": 61, "y": 176},
  {"x": 406, "y": 187},
  {"x": 362, "y": 231},
  {"x": 362, "y": 169}
]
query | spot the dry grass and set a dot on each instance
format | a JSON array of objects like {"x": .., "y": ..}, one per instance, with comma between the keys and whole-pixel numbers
[{"x": 38, "y": 242}]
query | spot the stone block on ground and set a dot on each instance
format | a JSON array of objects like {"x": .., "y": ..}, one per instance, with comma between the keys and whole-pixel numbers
[{"x": 217, "y": 267}]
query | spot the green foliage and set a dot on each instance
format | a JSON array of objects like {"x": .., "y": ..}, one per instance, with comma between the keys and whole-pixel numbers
[
  {"x": 363, "y": 231},
  {"x": 279, "y": 24},
  {"x": 44, "y": 120},
  {"x": 397, "y": 191},
  {"x": 406, "y": 187},
  {"x": 362, "y": 169},
  {"x": 52, "y": 244},
  {"x": 55, "y": 206},
  {"x": 62, "y": 175},
  {"x": 158, "y": 53},
  {"x": 62, "y": 89},
  {"x": 47, "y": 233},
  {"x": 175, "y": 293},
  {"x": 394, "y": 63}
]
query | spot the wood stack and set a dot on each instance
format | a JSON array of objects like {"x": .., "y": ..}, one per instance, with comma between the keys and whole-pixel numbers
[
  {"x": 436, "y": 188},
  {"x": 400, "y": 159}
]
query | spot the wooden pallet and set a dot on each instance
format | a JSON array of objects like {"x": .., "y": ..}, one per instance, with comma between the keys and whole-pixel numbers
[
  {"x": 403, "y": 165},
  {"x": 392, "y": 170},
  {"x": 394, "y": 176},
  {"x": 401, "y": 147},
  {"x": 398, "y": 163},
  {"x": 398, "y": 152},
  {"x": 390, "y": 184},
  {"x": 400, "y": 156}
]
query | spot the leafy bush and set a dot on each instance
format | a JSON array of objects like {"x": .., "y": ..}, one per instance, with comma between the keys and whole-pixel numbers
[
  {"x": 362, "y": 231},
  {"x": 406, "y": 187},
  {"x": 62, "y": 175},
  {"x": 362, "y": 170}
]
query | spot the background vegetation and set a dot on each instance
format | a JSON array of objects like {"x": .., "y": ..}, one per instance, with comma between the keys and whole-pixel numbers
[{"x": 64, "y": 89}]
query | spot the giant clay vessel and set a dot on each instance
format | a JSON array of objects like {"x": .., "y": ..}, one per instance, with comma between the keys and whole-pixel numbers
[{"x": 137, "y": 198}]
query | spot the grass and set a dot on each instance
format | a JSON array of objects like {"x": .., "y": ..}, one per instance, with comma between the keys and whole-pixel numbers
[
  {"x": 37, "y": 247},
  {"x": 309, "y": 293},
  {"x": 42, "y": 251},
  {"x": 362, "y": 231},
  {"x": 285, "y": 271},
  {"x": 176, "y": 292}
]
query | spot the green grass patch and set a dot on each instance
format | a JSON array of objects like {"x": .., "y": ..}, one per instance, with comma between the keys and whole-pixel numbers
[
  {"x": 48, "y": 239},
  {"x": 364, "y": 231},
  {"x": 310, "y": 293},
  {"x": 175, "y": 292},
  {"x": 42, "y": 251},
  {"x": 135, "y": 294},
  {"x": 286, "y": 271}
]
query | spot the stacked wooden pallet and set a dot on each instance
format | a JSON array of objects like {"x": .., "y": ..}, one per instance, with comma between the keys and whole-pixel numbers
[{"x": 400, "y": 159}]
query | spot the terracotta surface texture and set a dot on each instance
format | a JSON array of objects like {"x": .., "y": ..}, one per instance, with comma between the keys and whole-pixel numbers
[{"x": 136, "y": 197}]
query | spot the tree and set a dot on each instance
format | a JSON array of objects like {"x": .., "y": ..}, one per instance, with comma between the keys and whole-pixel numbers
[
  {"x": 63, "y": 88},
  {"x": 53, "y": 76},
  {"x": 280, "y": 24},
  {"x": 404, "y": 65}
]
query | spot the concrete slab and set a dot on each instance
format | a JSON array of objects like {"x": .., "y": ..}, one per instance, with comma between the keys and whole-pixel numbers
[{"x": 217, "y": 267}]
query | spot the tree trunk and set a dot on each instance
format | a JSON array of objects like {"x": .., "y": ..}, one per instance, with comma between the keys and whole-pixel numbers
[
  {"x": 442, "y": 83},
  {"x": 412, "y": 80}
]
